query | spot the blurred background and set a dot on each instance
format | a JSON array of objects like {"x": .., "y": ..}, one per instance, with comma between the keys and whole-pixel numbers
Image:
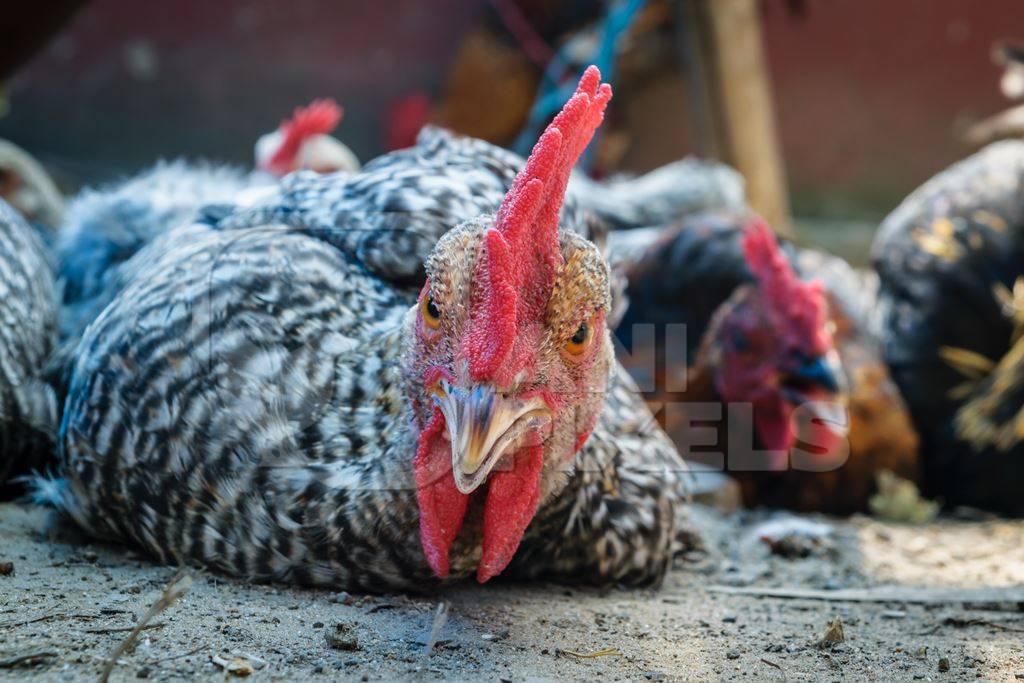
[{"x": 864, "y": 100}]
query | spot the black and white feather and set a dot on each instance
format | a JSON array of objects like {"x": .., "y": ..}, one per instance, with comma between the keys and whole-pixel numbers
[
  {"x": 240, "y": 402},
  {"x": 28, "y": 310}
]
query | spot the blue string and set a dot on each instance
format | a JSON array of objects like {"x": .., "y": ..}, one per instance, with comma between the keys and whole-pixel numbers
[{"x": 554, "y": 90}]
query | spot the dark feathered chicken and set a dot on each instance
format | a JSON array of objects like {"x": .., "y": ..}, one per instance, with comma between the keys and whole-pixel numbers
[
  {"x": 28, "y": 409},
  {"x": 951, "y": 306},
  {"x": 755, "y": 335},
  {"x": 286, "y": 407}
]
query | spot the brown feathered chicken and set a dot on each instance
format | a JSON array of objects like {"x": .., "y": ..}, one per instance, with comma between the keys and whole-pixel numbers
[
  {"x": 269, "y": 395},
  {"x": 785, "y": 372}
]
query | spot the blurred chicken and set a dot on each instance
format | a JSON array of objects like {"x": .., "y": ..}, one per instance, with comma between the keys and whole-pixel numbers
[
  {"x": 663, "y": 195},
  {"x": 28, "y": 406},
  {"x": 26, "y": 186},
  {"x": 304, "y": 142},
  {"x": 1010, "y": 122},
  {"x": 950, "y": 261},
  {"x": 755, "y": 334}
]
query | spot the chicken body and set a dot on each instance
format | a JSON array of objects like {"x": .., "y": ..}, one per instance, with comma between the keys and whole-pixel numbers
[
  {"x": 28, "y": 309},
  {"x": 951, "y": 306},
  {"x": 105, "y": 227},
  {"x": 243, "y": 402}
]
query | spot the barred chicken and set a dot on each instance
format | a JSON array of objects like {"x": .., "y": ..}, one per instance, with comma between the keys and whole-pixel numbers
[
  {"x": 823, "y": 415},
  {"x": 950, "y": 260},
  {"x": 28, "y": 310},
  {"x": 104, "y": 227},
  {"x": 375, "y": 382}
]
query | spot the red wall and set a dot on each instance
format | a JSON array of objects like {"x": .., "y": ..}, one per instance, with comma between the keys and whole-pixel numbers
[{"x": 871, "y": 95}]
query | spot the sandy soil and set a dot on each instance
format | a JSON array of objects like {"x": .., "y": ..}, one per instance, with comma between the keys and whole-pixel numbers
[{"x": 64, "y": 595}]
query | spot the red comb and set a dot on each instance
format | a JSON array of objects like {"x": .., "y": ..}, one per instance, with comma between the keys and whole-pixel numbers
[
  {"x": 794, "y": 306},
  {"x": 320, "y": 117},
  {"x": 522, "y": 251}
]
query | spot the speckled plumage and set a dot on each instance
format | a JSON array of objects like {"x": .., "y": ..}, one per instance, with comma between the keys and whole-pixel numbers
[
  {"x": 28, "y": 409},
  {"x": 949, "y": 260},
  {"x": 241, "y": 403},
  {"x": 106, "y": 226}
]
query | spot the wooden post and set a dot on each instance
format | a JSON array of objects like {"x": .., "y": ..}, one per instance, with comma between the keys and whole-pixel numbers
[{"x": 735, "y": 71}]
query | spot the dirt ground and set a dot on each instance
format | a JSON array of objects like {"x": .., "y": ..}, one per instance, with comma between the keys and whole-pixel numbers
[{"x": 70, "y": 602}]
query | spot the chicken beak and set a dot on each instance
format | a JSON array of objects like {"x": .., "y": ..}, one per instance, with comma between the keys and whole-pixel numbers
[
  {"x": 825, "y": 372},
  {"x": 484, "y": 426}
]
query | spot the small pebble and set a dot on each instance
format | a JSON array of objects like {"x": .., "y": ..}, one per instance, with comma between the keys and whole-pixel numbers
[
  {"x": 733, "y": 654},
  {"x": 341, "y": 636},
  {"x": 6, "y": 569},
  {"x": 944, "y": 664},
  {"x": 654, "y": 675}
]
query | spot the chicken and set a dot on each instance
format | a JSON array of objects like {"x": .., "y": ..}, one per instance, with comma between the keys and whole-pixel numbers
[
  {"x": 28, "y": 406},
  {"x": 304, "y": 142},
  {"x": 275, "y": 394},
  {"x": 950, "y": 261},
  {"x": 663, "y": 195},
  {"x": 755, "y": 335},
  {"x": 881, "y": 435}
]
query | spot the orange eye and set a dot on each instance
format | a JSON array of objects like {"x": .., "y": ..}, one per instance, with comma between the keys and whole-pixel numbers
[
  {"x": 428, "y": 311},
  {"x": 580, "y": 341}
]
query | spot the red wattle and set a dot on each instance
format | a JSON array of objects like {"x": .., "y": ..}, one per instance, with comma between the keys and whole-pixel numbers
[
  {"x": 772, "y": 418},
  {"x": 442, "y": 506},
  {"x": 512, "y": 500}
]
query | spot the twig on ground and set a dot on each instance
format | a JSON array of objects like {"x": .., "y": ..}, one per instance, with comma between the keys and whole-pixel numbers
[
  {"x": 47, "y": 617},
  {"x": 28, "y": 658},
  {"x": 607, "y": 652},
  {"x": 773, "y": 664},
  {"x": 174, "y": 589},
  {"x": 961, "y": 623},
  {"x": 193, "y": 651},
  {"x": 440, "y": 619},
  {"x": 992, "y": 599},
  {"x": 126, "y": 629}
]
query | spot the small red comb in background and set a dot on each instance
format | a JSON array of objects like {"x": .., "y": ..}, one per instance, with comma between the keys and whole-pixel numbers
[
  {"x": 405, "y": 119},
  {"x": 320, "y": 117},
  {"x": 523, "y": 254},
  {"x": 795, "y": 307}
]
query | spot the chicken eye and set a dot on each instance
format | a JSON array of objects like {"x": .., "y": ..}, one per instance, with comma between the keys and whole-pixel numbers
[
  {"x": 428, "y": 311},
  {"x": 580, "y": 340}
]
